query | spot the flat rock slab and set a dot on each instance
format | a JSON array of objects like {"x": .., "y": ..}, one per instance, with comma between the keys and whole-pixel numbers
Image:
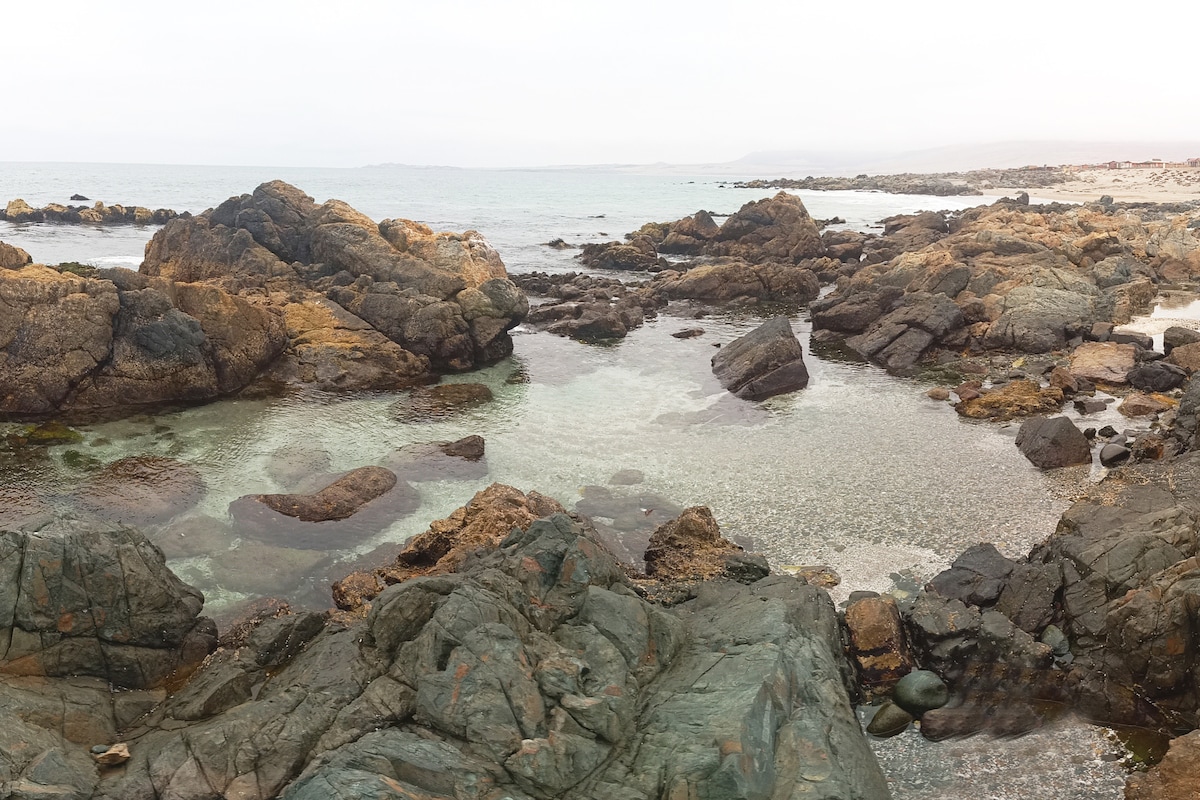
[
  {"x": 338, "y": 500},
  {"x": 765, "y": 362},
  {"x": 1103, "y": 362}
]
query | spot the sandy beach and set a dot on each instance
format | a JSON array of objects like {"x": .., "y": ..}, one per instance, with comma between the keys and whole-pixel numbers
[{"x": 1123, "y": 185}]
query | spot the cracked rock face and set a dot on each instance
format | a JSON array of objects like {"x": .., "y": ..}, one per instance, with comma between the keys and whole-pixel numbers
[
  {"x": 77, "y": 599},
  {"x": 532, "y": 670},
  {"x": 76, "y": 345}
]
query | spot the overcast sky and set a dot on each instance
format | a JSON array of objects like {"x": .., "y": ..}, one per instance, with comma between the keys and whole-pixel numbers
[{"x": 523, "y": 83}]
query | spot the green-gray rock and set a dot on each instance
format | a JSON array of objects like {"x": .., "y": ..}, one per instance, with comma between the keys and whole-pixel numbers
[{"x": 920, "y": 691}]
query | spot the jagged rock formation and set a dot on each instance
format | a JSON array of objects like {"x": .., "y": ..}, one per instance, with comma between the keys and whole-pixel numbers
[
  {"x": 441, "y": 297},
  {"x": 1005, "y": 277},
  {"x": 70, "y": 344},
  {"x": 266, "y": 287},
  {"x": 531, "y": 671}
]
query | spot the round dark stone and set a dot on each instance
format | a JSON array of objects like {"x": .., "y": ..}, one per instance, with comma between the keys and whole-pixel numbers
[{"x": 920, "y": 691}]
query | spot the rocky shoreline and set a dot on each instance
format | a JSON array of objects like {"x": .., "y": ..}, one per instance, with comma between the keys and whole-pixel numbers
[
  {"x": 941, "y": 184},
  {"x": 507, "y": 651},
  {"x": 18, "y": 211}
]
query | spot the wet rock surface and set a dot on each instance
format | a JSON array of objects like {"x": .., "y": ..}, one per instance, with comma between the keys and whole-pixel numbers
[
  {"x": 1009, "y": 277},
  {"x": 1050, "y": 442}
]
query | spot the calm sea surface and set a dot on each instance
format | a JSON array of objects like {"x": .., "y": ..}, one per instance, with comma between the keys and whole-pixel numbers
[{"x": 860, "y": 471}]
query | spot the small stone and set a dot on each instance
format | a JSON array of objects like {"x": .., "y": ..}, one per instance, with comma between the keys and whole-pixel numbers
[
  {"x": 889, "y": 720},
  {"x": 1089, "y": 405},
  {"x": 111, "y": 756},
  {"x": 1108, "y": 431},
  {"x": 920, "y": 691},
  {"x": 938, "y": 393},
  {"x": 1056, "y": 640},
  {"x": 688, "y": 333}
]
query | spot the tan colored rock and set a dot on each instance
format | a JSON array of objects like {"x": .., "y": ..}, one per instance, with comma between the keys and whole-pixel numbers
[
  {"x": 1103, "y": 362},
  {"x": 12, "y": 257},
  {"x": 479, "y": 525},
  {"x": 1137, "y": 404},
  {"x": 1174, "y": 778},
  {"x": 877, "y": 643},
  {"x": 1186, "y": 356},
  {"x": 338, "y": 500},
  {"x": 20, "y": 211},
  {"x": 689, "y": 547},
  {"x": 333, "y": 349},
  {"x": 1021, "y": 398}
]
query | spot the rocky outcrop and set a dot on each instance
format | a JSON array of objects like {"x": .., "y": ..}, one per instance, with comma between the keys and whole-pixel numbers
[
  {"x": 120, "y": 341},
  {"x": 269, "y": 287},
  {"x": 691, "y": 548},
  {"x": 638, "y": 253},
  {"x": 444, "y": 297},
  {"x": 86, "y": 599},
  {"x": 532, "y": 671},
  {"x": 97, "y": 214},
  {"x": 736, "y": 281},
  {"x": 765, "y": 362},
  {"x": 589, "y": 308},
  {"x": 481, "y": 524},
  {"x": 1021, "y": 278},
  {"x": 1098, "y": 617},
  {"x": 775, "y": 229},
  {"x": 13, "y": 257}
]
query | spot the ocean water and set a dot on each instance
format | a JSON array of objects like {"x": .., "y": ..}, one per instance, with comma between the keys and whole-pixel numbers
[{"x": 860, "y": 472}]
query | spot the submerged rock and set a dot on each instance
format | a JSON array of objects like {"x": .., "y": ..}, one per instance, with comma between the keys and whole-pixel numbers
[
  {"x": 338, "y": 500},
  {"x": 142, "y": 490},
  {"x": 765, "y": 362}
]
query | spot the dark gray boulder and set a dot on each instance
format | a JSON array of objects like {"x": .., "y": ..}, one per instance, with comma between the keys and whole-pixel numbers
[
  {"x": 765, "y": 362},
  {"x": 1051, "y": 442},
  {"x": 1156, "y": 376},
  {"x": 898, "y": 339},
  {"x": 1177, "y": 336}
]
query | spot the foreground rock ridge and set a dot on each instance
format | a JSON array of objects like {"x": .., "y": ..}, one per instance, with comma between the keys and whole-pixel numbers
[
  {"x": 268, "y": 288},
  {"x": 533, "y": 670}
]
